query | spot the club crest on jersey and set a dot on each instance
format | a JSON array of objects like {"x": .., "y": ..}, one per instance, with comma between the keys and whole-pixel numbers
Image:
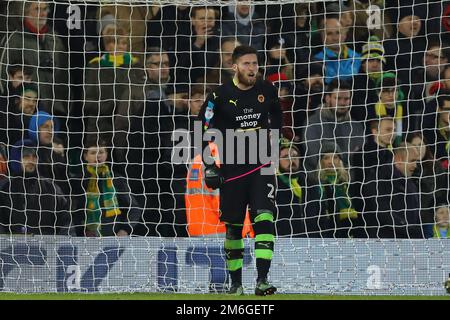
[{"x": 261, "y": 98}]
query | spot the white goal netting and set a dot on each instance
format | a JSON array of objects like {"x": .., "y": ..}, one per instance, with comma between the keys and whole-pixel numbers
[{"x": 96, "y": 98}]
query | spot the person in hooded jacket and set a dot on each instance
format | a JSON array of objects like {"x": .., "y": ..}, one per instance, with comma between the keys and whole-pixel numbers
[
  {"x": 52, "y": 159},
  {"x": 31, "y": 205}
]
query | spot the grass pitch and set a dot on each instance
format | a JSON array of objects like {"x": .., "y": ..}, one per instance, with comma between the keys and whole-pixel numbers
[{"x": 176, "y": 296}]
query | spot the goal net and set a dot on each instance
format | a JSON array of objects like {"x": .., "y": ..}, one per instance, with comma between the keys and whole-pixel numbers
[{"x": 102, "y": 183}]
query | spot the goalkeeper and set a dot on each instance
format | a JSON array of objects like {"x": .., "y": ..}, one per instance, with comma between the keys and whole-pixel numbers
[{"x": 247, "y": 105}]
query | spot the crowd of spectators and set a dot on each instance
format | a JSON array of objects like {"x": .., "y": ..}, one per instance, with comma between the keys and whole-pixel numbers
[{"x": 89, "y": 112}]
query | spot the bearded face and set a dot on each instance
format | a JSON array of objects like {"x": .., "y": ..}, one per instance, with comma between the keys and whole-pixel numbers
[{"x": 246, "y": 69}]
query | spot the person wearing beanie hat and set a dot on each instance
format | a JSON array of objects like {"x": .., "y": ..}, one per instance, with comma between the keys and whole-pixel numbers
[
  {"x": 290, "y": 190},
  {"x": 390, "y": 103},
  {"x": 277, "y": 59},
  {"x": 23, "y": 149},
  {"x": 43, "y": 129},
  {"x": 31, "y": 204},
  {"x": 107, "y": 21},
  {"x": 365, "y": 93},
  {"x": 328, "y": 207}
]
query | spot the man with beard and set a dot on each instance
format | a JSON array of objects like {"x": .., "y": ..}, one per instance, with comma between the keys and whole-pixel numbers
[
  {"x": 244, "y": 106},
  {"x": 333, "y": 122}
]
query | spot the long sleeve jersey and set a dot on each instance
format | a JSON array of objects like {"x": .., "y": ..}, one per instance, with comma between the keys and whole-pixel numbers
[{"x": 231, "y": 109}]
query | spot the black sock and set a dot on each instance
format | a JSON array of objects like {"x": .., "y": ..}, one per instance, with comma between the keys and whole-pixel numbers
[
  {"x": 236, "y": 276},
  {"x": 263, "y": 266}
]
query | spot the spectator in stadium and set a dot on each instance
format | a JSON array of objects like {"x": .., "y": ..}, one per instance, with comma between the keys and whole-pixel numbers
[
  {"x": 333, "y": 122},
  {"x": 31, "y": 205},
  {"x": 38, "y": 46},
  {"x": 364, "y": 84},
  {"x": 17, "y": 74},
  {"x": 277, "y": 60},
  {"x": 285, "y": 90},
  {"x": 16, "y": 114},
  {"x": 43, "y": 130},
  {"x": 223, "y": 70},
  {"x": 143, "y": 125},
  {"x": 346, "y": 18},
  {"x": 132, "y": 18},
  {"x": 299, "y": 28},
  {"x": 308, "y": 92},
  {"x": 168, "y": 23},
  {"x": 197, "y": 54},
  {"x": 105, "y": 206},
  {"x": 242, "y": 21},
  {"x": 404, "y": 50},
  {"x": 438, "y": 135},
  {"x": 431, "y": 179},
  {"x": 328, "y": 208},
  {"x": 391, "y": 103},
  {"x": 289, "y": 197},
  {"x": 339, "y": 59},
  {"x": 367, "y": 163},
  {"x": 427, "y": 83},
  {"x": 397, "y": 197},
  {"x": 370, "y": 21},
  {"x": 106, "y": 78},
  {"x": 442, "y": 215}
]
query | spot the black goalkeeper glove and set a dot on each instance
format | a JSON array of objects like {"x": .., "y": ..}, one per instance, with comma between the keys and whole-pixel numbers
[{"x": 213, "y": 177}]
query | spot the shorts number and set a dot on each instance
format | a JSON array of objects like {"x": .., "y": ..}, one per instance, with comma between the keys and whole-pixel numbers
[{"x": 272, "y": 189}]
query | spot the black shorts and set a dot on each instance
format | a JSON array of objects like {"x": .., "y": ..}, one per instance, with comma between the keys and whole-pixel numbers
[{"x": 255, "y": 190}]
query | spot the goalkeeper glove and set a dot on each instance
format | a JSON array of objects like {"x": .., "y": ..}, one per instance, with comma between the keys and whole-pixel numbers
[{"x": 213, "y": 177}]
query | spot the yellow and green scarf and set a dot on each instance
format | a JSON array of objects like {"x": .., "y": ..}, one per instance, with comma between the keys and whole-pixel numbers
[
  {"x": 114, "y": 60},
  {"x": 445, "y": 134},
  {"x": 342, "y": 200},
  {"x": 293, "y": 184},
  {"x": 437, "y": 233},
  {"x": 101, "y": 197},
  {"x": 381, "y": 110}
]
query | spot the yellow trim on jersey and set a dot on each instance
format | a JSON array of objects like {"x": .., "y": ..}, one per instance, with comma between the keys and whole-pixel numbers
[{"x": 249, "y": 129}]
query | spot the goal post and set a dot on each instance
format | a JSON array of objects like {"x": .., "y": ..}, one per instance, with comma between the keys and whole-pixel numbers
[{"x": 101, "y": 177}]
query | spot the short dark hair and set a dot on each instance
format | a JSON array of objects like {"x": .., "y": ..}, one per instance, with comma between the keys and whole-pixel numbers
[
  {"x": 443, "y": 96},
  {"x": 153, "y": 51},
  {"x": 242, "y": 50},
  {"x": 13, "y": 68},
  {"x": 337, "y": 84},
  {"x": 374, "y": 124},
  {"x": 92, "y": 140},
  {"x": 199, "y": 89},
  {"x": 196, "y": 9}
]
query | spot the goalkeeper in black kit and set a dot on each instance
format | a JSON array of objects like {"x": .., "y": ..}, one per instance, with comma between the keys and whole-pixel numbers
[{"x": 245, "y": 105}]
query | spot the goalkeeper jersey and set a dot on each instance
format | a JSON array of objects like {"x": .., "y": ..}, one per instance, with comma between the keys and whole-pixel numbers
[{"x": 245, "y": 111}]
